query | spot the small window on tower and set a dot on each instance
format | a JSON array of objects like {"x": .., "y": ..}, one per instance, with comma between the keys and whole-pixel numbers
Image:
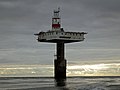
[{"x": 55, "y": 20}]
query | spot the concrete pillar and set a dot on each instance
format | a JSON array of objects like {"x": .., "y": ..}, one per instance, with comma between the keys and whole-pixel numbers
[{"x": 60, "y": 63}]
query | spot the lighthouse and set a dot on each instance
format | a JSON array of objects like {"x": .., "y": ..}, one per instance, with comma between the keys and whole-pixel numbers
[
  {"x": 60, "y": 37},
  {"x": 56, "y": 21}
]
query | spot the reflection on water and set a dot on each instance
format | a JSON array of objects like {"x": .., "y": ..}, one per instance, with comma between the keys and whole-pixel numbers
[{"x": 60, "y": 82}]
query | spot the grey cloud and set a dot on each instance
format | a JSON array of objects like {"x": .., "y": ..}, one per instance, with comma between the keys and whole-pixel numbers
[
  {"x": 104, "y": 5},
  {"x": 20, "y": 19}
]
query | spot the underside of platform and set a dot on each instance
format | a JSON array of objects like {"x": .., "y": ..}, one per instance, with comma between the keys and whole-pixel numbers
[{"x": 59, "y": 40}]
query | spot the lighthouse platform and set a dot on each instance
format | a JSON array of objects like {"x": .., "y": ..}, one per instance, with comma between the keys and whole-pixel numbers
[{"x": 61, "y": 35}]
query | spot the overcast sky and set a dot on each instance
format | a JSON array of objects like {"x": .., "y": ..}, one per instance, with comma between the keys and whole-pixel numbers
[{"x": 20, "y": 19}]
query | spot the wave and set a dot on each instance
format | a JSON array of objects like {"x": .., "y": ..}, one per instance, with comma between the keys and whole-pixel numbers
[{"x": 48, "y": 83}]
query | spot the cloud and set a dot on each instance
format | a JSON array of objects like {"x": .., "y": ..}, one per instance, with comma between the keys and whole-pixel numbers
[{"x": 20, "y": 19}]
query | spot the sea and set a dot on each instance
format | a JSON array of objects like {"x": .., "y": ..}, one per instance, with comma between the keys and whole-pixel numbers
[{"x": 71, "y": 83}]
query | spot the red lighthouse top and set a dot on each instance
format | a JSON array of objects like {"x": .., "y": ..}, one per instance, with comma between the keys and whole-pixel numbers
[{"x": 56, "y": 20}]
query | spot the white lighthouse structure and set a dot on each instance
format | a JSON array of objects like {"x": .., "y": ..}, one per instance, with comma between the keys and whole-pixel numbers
[
  {"x": 60, "y": 37},
  {"x": 56, "y": 21},
  {"x": 57, "y": 34}
]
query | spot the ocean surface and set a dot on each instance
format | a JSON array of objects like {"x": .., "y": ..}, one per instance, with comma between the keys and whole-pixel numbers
[{"x": 72, "y": 83}]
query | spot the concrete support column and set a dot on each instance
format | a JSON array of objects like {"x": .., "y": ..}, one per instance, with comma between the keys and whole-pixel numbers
[
  {"x": 60, "y": 51},
  {"x": 60, "y": 62}
]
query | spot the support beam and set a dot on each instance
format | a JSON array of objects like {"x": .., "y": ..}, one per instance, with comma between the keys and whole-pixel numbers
[
  {"x": 60, "y": 51},
  {"x": 60, "y": 62}
]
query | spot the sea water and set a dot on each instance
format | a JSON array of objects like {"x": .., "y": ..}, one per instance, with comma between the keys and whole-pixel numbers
[{"x": 48, "y": 83}]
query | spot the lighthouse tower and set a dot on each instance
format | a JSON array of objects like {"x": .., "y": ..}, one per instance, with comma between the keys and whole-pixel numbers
[
  {"x": 56, "y": 21},
  {"x": 60, "y": 37}
]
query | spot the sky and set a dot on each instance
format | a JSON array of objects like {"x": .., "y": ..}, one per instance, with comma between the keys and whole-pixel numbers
[{"x": 21, "y": 19}]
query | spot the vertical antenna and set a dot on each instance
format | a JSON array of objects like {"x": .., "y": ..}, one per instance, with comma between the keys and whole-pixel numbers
[{"x": 58, "y": 9}]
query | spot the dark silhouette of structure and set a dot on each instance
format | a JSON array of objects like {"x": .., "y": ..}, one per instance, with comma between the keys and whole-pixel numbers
[{"x": 60, "y": 37}]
